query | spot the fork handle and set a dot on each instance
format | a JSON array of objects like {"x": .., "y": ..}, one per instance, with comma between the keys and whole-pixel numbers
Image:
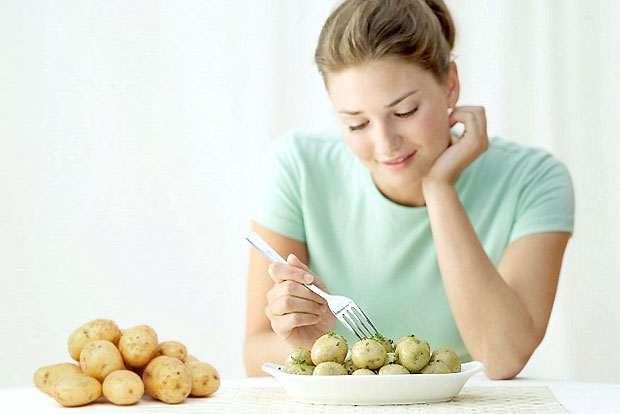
[{"x": 262, "y": 246}]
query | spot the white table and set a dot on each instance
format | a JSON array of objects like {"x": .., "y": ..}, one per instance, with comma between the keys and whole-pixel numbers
[{"x": 577, "y": 397}]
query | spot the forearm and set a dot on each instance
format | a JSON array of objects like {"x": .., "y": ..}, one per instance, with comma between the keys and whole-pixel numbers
[
  {"x": 494, "y": 323},
  {"x": 263, "y": 347}
]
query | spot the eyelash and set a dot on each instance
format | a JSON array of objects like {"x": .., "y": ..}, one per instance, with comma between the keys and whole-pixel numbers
[{"x": 405, "y": 115}]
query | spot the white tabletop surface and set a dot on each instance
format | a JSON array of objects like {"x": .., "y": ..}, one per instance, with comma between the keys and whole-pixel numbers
[{"x": 576, "y": 397}]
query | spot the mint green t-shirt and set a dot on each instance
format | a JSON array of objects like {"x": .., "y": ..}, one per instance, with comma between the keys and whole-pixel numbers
[{"x": 382, "y": 254}]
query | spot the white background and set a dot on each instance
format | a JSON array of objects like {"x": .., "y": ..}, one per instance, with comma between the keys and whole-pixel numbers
[{"x": 131, "y": 132}]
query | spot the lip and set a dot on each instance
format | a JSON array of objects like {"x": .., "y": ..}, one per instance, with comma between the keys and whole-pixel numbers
[{"x": 395, "y": 164}]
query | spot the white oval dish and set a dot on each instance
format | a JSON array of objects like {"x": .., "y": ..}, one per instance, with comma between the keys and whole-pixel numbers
[{"x": 373, "y": 389}]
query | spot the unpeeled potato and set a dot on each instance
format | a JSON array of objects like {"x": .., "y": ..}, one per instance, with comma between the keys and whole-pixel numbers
[
  {"x": 167, "y": 379},
  {"x": 99, "y": 358},
  {"x": 172, "y": 349},
  {"x": 137, "y": 345},
  {"x": 45, "y": 377},
  {"x": 205, "y": 378},
  {"x": 72, "y": 390},
  {"x": 190, "y": 358},
  {"x": 105, "y": 329},
  {"x": 123, "y": 387}
]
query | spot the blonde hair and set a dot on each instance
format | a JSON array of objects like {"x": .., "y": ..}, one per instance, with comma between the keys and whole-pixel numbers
[{"x": 418, "y": 31}]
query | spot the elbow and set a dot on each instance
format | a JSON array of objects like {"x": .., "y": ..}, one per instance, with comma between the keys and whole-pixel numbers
[
  {"x": 252, "y": 367},
  {"x": 503, "y": 371},
  {"x": 507, "y": 365}
]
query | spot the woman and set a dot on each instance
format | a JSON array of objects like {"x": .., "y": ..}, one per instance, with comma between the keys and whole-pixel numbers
[{"x": 454, "y": 238}]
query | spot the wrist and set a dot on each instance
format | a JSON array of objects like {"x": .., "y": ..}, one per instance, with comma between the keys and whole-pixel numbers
[
  {"x": 434, "y": 189},
  {"x": 438, "y": 192}
]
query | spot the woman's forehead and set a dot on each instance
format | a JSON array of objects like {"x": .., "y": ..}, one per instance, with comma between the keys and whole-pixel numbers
[{"x": 376, "y": 83}]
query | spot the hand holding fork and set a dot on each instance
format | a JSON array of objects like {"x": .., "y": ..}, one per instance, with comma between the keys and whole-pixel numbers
[
  {"x": 292, "y": 305},
  {"x": 297, "y": 315}
]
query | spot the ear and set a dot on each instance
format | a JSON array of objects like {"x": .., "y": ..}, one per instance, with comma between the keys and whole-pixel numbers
[{"x": 452, "y": 85}]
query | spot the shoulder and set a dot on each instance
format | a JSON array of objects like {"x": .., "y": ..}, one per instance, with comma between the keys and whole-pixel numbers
[
  {"x": 307, "y": 149},
  {"x": 516, "y": 161},
  {"x": 302, "y": 142}
]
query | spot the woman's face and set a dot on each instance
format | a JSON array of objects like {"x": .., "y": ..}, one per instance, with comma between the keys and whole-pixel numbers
[{"x": 393, "y": 116}]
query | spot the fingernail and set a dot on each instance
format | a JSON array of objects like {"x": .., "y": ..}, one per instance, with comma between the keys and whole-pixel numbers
[
  {"x": 449, "y": 111},
  {"x": 308, "y": 278},
  {"x": 323, "y": 308}
]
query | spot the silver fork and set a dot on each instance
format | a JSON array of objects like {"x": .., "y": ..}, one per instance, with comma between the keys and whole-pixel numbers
[{"x": 343, "y": 308}]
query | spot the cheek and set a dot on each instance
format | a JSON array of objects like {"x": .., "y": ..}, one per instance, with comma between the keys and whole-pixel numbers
[
  {"x": 361, "y": 146},
  {"x": 434, "y": 128},
  {"x": 430, "y": 120}
]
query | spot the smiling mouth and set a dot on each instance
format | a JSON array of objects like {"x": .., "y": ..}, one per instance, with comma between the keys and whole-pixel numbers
[{"x": 399, "y": 160}]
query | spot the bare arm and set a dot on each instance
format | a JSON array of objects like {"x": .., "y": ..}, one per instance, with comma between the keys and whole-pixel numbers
[
  {"x": 502, "y": 314},
  {"x": 281, "y": 313}
]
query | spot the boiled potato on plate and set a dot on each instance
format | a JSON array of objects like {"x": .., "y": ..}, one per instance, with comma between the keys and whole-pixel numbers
[
  {"x": 413, "y": 353},
  {"x": 330, "y": 347},
  {"x": 329, "y": 368},
  {"x": 368, "y": 353},
  {"x": 448, "y": 357}
]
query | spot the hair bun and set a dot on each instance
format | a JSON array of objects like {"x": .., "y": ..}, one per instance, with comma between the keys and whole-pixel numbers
[
  {"x": 440, "y": 10},
  {"x": 418, "y": 31}
]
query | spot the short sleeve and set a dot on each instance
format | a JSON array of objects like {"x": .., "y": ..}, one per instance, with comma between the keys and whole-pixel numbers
[
  {"x": 279, "y": 199},
  {"x": 546, "y": 200}
]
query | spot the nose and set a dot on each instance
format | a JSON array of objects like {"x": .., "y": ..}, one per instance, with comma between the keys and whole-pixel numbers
[{"x": 387, "y": 141}]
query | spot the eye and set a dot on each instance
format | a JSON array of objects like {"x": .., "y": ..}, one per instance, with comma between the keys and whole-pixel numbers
[
  {"x": 406, "y": 114},
  {"x": 358, "y": 127}
]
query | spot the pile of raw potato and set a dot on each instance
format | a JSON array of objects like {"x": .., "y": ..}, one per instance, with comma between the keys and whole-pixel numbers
[{"x": 122, "y": 365}]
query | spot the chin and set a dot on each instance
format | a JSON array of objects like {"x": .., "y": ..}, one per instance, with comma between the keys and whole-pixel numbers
[{"x": 401, "y": 178}]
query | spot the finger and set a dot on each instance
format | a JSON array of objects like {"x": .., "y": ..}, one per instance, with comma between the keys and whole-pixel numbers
[
  {"x": 291, "y": 288},
  {"x": 481, "y": 121},
  {"x": 283, "y": 325},
  {"x": 467, "y": 118},
  {"x": 294, "y": 261},
  {"x": 291, "y": 304},
  {"x": 284, "y": 271},
  {"x": 473, "y": 136},
  {"x": 482, "y": 117},
  {"x": 454, "y": 139},
  {"x": 479, "y": 115}
]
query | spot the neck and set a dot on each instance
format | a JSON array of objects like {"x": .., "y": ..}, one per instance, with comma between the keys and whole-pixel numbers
[{"x": 410, "y": 196}]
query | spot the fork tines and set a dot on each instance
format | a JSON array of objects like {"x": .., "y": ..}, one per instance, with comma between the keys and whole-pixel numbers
[{"x": 356, "y": 320}]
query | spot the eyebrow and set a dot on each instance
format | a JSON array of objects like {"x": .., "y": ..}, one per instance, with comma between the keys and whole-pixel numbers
[{"x": 396, "y": 101}]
